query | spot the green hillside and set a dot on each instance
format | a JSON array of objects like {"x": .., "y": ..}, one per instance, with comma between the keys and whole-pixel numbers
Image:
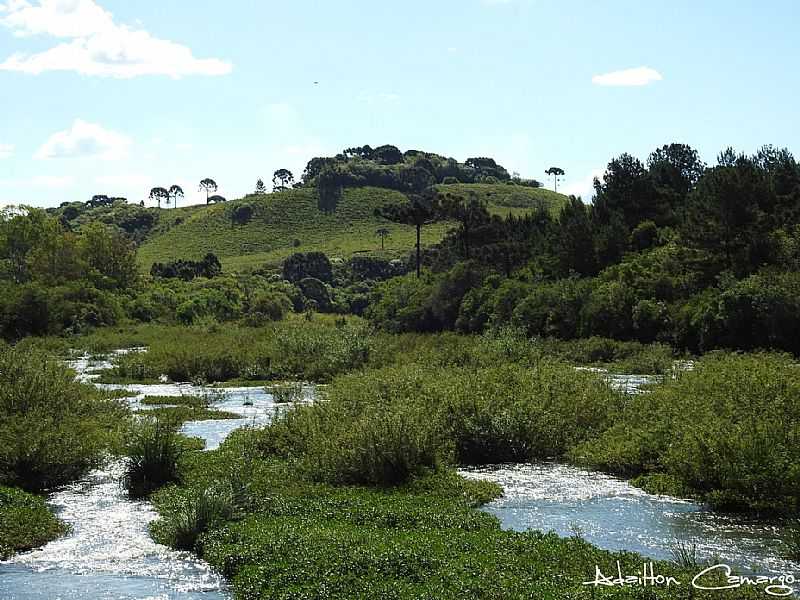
[
  {"x": 504, "y": 199},
  {"x": 290, "y": 221}
]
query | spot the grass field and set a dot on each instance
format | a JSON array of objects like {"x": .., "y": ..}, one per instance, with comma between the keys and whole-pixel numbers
[{"x": 290, "y": 221}]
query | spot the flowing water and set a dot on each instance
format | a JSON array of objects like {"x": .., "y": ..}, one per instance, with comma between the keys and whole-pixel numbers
[
  {"x": 612, "y": 514},
  {"x": 108, "y": 554}
]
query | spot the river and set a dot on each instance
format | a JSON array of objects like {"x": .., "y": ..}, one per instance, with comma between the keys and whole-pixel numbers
[{"x": 108, "y": 555}]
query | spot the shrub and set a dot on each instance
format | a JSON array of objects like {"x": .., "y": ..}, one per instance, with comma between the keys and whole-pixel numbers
[
  {"x": 242, "y": 214},
  {"x": 725, "y": 430},
  {"x": 25, "y": 522},
  {"x": 194, "y": 513},
  {"x": 383, "y": 426},
  {"x": 52, "y": 429},
  {"x": 151, "y": 453},
  {"x": 268, "y": 306},
  {"x": 315, "y": 291},
  {"x": 301, "y": 265},
  {"x": 553, "y": 309}
]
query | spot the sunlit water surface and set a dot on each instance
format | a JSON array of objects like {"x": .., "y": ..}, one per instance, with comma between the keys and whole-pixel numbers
[
  {"x": 612, "y": 514},
  {"x": 108, "y": 554}
]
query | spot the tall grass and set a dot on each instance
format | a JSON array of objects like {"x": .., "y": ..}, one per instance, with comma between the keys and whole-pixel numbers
[
  {"x": 194, "y": 513},
  {"x": 288, "y": 350},
  {"x": 383, "y": 426},
  {"x": 152, "y": 451}
]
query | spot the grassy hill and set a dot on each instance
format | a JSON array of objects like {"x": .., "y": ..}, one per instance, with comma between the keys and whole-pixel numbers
[
  {"x": 506, "y": 199},
  {"x": 287, "y": 222}
]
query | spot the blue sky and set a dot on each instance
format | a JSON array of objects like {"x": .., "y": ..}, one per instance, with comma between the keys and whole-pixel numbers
[{"x": 115, "y": 97}]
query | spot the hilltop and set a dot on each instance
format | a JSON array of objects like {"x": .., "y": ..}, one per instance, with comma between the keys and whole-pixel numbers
[
  {"x": 331, "y": 209},
  {"x": 290, "y": 221}
]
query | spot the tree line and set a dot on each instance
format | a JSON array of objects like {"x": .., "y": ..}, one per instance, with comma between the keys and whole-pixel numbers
[{"x": 672, "y": 249}]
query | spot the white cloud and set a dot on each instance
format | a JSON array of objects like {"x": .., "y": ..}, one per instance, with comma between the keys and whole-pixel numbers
[
  {"x": 85, "y": 140},
  {"x": 628, "y": 77},
  {"x": 582, "y": 188},
  {"x": 6, "y": 150},
  {"x": 97, "y": 45}
]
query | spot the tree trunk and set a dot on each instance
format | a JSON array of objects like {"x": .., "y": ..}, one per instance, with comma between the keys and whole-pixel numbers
[{"x": 419, "y": 228}]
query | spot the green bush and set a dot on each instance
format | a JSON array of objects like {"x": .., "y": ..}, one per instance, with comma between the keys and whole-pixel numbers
[
  {"x": 268, "y": 306},
  {"x": 152, "y": 451},
  {"x": 52, "y": 429},
  {"x": 725, "y": 430},
  {"x": 193, "y": 513},
  {"x": 25, "y": 522},
  {"x": 553, "y": 309},
  {"x": 383, "y": 426}
]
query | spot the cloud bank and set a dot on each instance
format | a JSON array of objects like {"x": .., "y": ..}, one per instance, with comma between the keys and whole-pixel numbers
[
  {"x": 95, "y": 45},
  {"x": 84, "y": 140}
]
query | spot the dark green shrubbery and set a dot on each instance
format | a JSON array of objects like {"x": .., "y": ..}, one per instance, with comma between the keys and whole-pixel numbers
[
  {"x": 307, "y": 264},
  {"x": 52, "y": 429},
  {"x": 25, "y": 522},
  {"x": 726, "y": 430},
  {"x": 208, "y": 267}
]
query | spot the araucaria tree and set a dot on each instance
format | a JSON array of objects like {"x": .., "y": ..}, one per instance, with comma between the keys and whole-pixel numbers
[
  {"x": 282, "y": 179},
  {"x": 175, "y": 192},
  {"x": 555, "y": 173},
  {"x": 260, "y": 187},
  {"x": 209, "y": 186},
  {"x": 157, "y": 194},
  {"x": 421, "y": 209},
  {"x": 383, "y": 233}
]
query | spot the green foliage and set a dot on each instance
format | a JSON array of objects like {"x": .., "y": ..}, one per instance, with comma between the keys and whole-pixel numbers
[
  {"x": 56, "y": 280},
  {"x": 152, "y": 450},
  {"x": 724, "y": 430},
  {"x": 194, "y": 512},
  {"x": 423, "y": 539},
  {"x": 52, "y": 429},
  {"x": 286, "y": 350},
  {"x": 268, "y": 306},
  {"x": 25, "y": 522},
  {"x": 302, "y": 265},
  {"x": 384, "y": 426},
  {"x": 553, "y": 309}
]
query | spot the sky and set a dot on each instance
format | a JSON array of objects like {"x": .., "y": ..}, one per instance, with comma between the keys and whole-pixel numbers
[{"x": 115, "y": 97}]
